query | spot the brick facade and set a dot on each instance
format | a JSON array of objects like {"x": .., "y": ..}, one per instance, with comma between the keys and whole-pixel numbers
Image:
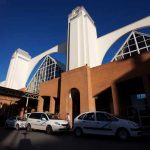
[{"x": 90, "y": 82}]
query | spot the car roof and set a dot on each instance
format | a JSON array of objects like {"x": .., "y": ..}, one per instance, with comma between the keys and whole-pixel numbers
[
  {"x": 95, "y": 112},
  {"x": 42, "y": 113},
  {"x": 37, "y": 113}
]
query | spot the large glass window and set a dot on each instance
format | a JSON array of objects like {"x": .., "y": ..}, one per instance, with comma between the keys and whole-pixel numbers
[
  {"x": 48, "y": 70},
  {"x": 136, "y": 43}
]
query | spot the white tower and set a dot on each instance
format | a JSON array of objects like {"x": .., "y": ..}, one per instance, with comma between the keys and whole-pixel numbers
[
  {"x": 18, "y": 69},
  {"x": 82, "y": 40}
]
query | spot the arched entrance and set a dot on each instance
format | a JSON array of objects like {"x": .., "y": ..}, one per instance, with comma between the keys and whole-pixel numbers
[{"x": 75, "y": 96}]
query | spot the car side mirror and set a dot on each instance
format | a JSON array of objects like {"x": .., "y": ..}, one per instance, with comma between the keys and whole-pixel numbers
[{"x": 44, "y": 119}]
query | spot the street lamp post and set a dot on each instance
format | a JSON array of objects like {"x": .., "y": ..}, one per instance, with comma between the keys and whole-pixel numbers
[{"x": 27, "y": 102}]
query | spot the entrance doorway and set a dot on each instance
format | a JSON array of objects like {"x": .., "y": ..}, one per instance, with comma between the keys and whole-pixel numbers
[
  {"x": 103, "y": 101},
  {"x": 46, "y": 104},
  {"x": 133, "y": 100},
  {"x": 75, "y": 96},
  {"x": 57, "y": 105}
]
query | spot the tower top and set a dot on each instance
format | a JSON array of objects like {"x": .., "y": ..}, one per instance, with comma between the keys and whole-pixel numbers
[
  {"x": 22, "y": 52},
  {"x": 79, "y": 10}
]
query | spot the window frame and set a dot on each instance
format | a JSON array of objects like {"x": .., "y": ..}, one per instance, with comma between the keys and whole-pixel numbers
[{"x": 89, "y": 119}]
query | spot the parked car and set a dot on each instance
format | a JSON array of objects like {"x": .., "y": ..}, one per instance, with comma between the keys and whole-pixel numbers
[
  {"x": 46, "y": 122},
  {"x": 15, "y": 122},
  {"x": 103, "y": 123}
]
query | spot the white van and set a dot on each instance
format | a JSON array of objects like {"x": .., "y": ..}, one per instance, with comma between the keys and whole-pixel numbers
[{"x": 46, "y": 122}]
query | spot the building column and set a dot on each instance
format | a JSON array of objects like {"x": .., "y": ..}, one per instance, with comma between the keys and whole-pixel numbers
[
  {"x": 91, "y": 99},
  {"x": 146, "y": 84},
  {"x": 92, "y": 106},
  {"x": 115, "y": 97},
  {"x": 63, "y": 105},
  {"x": 52, "y": 105},
  {"x": 40, "y": 104}
]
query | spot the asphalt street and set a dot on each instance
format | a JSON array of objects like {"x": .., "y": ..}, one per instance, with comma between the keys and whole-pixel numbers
[{"x": 11, "y": 139}]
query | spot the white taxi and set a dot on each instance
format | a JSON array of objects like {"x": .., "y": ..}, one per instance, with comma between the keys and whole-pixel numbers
[
  {"x": 103, "y": 123},
  {"x": 46, "y": 122}
]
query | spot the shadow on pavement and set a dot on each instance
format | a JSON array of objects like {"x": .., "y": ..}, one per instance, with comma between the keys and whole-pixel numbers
[
  {"x": 67, "y": 141},
  {"x": 25, "y": 143}
]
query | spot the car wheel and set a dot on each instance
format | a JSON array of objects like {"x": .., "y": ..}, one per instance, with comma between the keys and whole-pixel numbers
[
  {"x": 49, "y": 130},
  {"x": 78, "y": 132},
  {"x": 17, "y": 127},
  {"x": 123, "y": 134},
  {"x": 29, "y": 128}
]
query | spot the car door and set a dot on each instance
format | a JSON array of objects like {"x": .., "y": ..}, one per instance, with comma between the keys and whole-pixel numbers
[
  {"x": 103, "y": 124},
  {"x": 42, "y": 122},
  {"x": 34, "y": 119},
  {"x": 88, "y": 123}
]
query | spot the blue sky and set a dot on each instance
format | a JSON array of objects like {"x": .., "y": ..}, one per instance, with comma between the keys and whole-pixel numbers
[{"x": 37, "y": 25}]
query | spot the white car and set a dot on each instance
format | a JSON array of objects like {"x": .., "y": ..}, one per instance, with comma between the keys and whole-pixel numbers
[
  {"x": 46, "y": 122},
  {"x": 15, "y": 122},
  {"x": 103, "y": 123}
]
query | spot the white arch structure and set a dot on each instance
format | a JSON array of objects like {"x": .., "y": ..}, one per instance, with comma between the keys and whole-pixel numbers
[
  {"x": 21, "y": 66},
  {"x": 106, "y": 41},
  {"x": 62, "y": 48},
  {"x": 82, "y": 47}
]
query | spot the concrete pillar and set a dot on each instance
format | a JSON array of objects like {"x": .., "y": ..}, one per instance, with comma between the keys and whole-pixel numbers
[
  {"x": 115, "y": 98},
  {"x": 40, "y": 104},
  {"x": 52, "y": 105},
  {"x": 63, "y": 105},
  {"x": 91, "y": 100},
  {"x": 92, "y": 106},
  {"x": 146, "y": 84}
]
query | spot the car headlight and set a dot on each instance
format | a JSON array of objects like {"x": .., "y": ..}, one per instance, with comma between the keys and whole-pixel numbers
[
  {"x": 133, "y": 124},
  {"x": 57, "y": 123}
]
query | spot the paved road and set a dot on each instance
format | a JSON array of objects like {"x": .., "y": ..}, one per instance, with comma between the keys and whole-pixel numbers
[{"x": 21, "y": 140}]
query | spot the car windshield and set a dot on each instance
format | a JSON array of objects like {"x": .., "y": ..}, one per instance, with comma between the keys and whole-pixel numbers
[{"x": 52, "y": 116}]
